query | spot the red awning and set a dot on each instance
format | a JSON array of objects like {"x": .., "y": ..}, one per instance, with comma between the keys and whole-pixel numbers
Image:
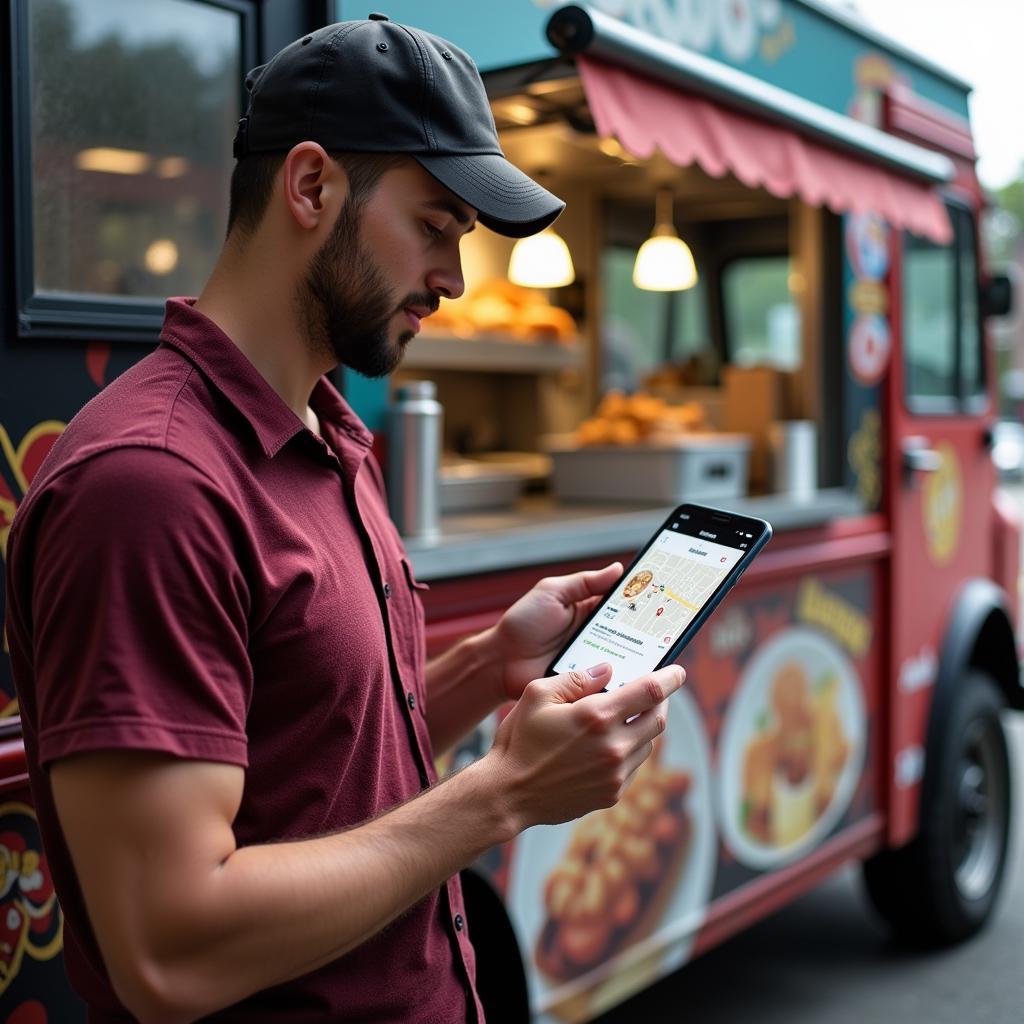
[{"x": 644, "y": 114}]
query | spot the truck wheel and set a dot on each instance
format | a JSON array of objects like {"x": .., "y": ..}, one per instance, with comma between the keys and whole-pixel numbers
[{"x": 942, "y": 887}]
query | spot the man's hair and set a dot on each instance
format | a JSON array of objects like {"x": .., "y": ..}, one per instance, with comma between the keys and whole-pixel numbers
[{"x": 252, "y": 182}]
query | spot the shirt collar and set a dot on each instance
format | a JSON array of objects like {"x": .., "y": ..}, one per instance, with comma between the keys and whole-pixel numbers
[{"x": 224, "y": 364}]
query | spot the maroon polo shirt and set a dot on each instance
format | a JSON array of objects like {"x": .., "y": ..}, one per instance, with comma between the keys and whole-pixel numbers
[{"x": 195, "y": 572}]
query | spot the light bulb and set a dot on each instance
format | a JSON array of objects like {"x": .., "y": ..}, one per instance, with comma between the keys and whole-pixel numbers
[{"x": 541, "y": 261}]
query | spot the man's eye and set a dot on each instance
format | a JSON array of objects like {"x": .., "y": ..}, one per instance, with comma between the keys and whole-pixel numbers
[{"x": 432, "y": 231}]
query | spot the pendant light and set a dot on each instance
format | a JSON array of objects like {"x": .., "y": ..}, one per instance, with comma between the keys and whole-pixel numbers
[
  {"x": 542, "y": 260},
  {"x": 664, "y": 262}
]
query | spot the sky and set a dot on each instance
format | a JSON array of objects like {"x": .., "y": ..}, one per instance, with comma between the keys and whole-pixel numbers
[{"x": 982, "y": 42}]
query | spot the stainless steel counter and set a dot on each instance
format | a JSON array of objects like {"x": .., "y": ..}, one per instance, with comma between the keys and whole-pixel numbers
[{"x": 540, "y": 530}]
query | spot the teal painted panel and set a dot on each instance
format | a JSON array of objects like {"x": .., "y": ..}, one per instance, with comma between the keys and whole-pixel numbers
[
  {"x": 368, "y": 398},
  {"x": 791, "y": 44},
  {"x": 495, "y": 33}
]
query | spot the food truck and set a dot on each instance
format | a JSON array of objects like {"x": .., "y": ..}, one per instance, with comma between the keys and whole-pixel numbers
[{"x": 816, "y": 355}]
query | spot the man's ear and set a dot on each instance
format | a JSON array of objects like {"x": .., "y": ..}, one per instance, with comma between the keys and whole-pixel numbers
[{"x": 314, "y": 186}]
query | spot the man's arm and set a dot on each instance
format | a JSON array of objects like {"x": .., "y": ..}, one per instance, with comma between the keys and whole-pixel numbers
[
  {"x": 189, "y": 923},
  {"x": 463, "y": 687},
  {"x": 482, "y": 672}
]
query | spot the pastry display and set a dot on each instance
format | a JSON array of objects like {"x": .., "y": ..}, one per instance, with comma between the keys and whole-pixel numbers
[
  {"x": 622, "y": 419},
  {"x": 792, "y": 763},
  {"x": 620, "y": 869},
  {"x": 500, "y": 307}
]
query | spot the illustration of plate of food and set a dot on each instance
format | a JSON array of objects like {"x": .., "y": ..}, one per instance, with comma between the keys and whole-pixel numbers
[
  {"x": 626, "y": 885},
  {"x": 791, "y": 750}
]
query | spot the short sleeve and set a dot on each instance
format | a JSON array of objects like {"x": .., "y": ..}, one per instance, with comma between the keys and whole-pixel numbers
[{"x": 139, "y": 609}]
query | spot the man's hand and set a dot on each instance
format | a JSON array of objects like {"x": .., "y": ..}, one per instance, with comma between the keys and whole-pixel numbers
[
  {"x": 567, "y": 748},
  {"x": 537, "y": 626}
]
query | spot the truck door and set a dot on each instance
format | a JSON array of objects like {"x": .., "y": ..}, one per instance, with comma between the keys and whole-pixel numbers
[{"x": 940, "y": 478}]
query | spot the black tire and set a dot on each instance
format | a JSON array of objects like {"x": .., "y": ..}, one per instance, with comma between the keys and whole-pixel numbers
[
  {"x": 500, "y": 974},
  {"x": 943, "y": 886}
]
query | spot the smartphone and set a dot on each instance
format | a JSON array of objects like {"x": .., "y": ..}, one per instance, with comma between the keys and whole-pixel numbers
[{"x": 668, "y": 592}]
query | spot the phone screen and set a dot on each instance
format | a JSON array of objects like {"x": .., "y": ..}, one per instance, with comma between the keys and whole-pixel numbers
[{"x": 664, "y": 590}]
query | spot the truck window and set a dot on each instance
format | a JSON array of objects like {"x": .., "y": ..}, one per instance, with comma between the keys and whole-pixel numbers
[
  {"x": 121, "y": 152},
  {"x": 762, "y": 322},
  {"x": 942, "y": 341},
  {"x": 643, "y": 331}
]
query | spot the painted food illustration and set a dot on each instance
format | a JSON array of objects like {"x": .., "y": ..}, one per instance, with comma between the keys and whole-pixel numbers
[
  {"x": 791, "y": 749},
  {"x": 792, "y": 764},
  {"x": 621, "y": 866}
]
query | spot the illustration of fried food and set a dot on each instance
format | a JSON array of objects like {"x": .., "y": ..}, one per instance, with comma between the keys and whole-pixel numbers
[
  {"x": 792, "y": 764},
  {"x": 831, "y": 747},
  {"x": 758, "y": 778},
  {"x": 791, "y": 699},
  {"x": 638, "y": 583},
  {"x": 620, "y": 869}
]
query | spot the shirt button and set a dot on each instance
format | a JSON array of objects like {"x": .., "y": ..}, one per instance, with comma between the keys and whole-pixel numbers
[
  {"x": 387, "y": 591},
  {"x": 411, "y": 700},
  {"x": 459, "y": 923}
]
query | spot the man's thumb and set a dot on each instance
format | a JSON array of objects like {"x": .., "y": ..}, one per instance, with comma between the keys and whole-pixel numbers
[{"x": 570, "y": 686}]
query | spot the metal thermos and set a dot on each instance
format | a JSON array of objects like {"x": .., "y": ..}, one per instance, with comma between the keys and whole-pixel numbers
[
  {"x": 795, "y": 458},
  {"x": 414, "y": 460}
]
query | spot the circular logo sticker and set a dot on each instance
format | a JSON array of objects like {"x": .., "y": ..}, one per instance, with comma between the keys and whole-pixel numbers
[
  {"x": 867, "y": 238},
  {"x": 942, "y": 506},
  {"x": 869, "y": 348}
]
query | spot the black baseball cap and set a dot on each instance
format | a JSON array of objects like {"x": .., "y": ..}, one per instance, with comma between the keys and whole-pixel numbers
[{"x": 375, "y": 86}]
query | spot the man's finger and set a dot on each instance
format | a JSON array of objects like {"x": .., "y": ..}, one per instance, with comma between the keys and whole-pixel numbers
[
  {"x": 646, "y": 692},
  {"x": 649, "y": 725},
  {"x": 579, "y": 586},
  {"x": 568, "y": 687}
]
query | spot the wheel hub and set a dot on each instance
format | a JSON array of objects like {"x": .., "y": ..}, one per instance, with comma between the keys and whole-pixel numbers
[{"x": 979, "y": 825}]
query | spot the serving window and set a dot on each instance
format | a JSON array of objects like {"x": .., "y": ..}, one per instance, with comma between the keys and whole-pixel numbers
[{"x": 124, "y": 117}]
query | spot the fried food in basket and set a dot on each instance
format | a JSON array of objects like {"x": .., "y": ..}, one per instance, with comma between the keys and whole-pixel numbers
[
  {"x": 500, "y": 307},
  {"x": 618, "y": 874},
  {"x": 626, "y": 419}
]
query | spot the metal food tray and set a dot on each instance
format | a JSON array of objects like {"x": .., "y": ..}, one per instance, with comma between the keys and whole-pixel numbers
[
  {"x": 695, "y": 467},
  {"x": 466, "y": 486}
]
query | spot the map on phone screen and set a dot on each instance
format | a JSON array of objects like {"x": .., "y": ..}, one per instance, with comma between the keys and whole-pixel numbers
[{"x": 648, "y": 611}]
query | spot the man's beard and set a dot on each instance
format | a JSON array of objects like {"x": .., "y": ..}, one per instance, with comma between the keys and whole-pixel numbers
[{"x": 345, "y": 304}]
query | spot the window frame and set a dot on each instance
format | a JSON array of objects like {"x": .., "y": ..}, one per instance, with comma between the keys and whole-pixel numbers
[
  {"x": 80, "y": 315},
  {"x": 962, "y": 403}
]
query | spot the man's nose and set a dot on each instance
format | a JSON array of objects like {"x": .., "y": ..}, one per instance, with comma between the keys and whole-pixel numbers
[{"x": 447, "y": 279}]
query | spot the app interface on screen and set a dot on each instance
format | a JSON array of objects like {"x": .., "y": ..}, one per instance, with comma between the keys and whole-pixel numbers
[{"x": 652, "y": 605}]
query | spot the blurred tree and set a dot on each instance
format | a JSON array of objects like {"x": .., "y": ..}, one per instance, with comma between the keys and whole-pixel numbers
[{"x": 1004, "y": 225}]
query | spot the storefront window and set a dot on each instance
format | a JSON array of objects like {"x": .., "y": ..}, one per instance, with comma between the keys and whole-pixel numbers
[
  {"x": 762, "y": 322},
  {"x": 131, "y": 110},
  {"x": 942, "y": 340}
]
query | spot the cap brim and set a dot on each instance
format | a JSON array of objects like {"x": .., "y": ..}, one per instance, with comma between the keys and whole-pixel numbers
[{"x": 506, "y": 200}]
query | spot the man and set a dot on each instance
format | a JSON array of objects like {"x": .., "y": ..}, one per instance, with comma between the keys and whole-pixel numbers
[{"x": 215, "y": 632}]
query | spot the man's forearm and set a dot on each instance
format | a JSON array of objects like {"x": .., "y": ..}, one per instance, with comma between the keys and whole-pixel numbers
[
  {"x": 271, "y": 913},
  {"x": 463, "y": 687}
]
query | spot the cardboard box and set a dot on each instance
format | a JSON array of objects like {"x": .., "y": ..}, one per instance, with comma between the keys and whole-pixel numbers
[{"x": 754, "y": 399}]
